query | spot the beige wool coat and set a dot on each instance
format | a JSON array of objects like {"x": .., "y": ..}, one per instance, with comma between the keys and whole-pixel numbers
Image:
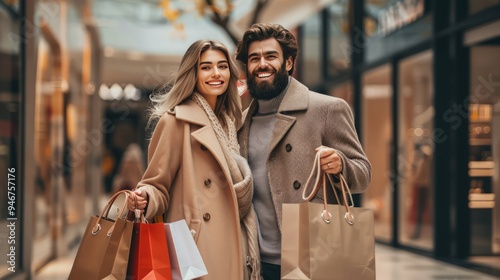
[
  {"x": 305, "y": 121},
  {"x": 187, "y": 177}
]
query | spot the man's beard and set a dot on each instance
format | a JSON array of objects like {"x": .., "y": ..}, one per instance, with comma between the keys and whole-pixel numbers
[{"x": 265, "y": 90}]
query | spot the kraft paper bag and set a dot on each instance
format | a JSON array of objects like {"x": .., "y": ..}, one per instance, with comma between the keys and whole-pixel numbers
[
  {"x": 185, "y": 257},
  {"x": 326, "y": 241},
  {"x": 105, "y": 245}
]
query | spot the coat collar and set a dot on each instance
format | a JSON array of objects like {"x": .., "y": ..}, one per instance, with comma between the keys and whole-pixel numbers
[
  {"x": 189, "y": 111},
  {"x": 296, "y": 97}
]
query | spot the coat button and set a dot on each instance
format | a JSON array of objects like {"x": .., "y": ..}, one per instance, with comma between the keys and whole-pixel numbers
[
  {"x": 203, "y": 148},
  {"x": 208, "y": 182},
  {"x": 296, "y": 185},
  {"x": 206, "y": 217},
  {"x": 288, "y": 147}
]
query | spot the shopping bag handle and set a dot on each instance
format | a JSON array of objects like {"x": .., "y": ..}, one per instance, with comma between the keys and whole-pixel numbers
[
  {"x": 326, "y": 215},
  {"x": 106, "y": 209},
  {"x": 138, "y": 214}
]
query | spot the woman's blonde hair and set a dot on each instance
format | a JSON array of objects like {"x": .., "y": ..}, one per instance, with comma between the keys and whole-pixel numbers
[{"x": 185, "y": 82}]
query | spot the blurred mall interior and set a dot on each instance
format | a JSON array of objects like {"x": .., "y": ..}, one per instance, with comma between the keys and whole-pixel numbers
[{"x": 422, "y": 78}]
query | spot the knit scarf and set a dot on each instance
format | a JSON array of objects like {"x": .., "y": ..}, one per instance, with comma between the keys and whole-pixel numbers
[{"x": 242, "y": 185}]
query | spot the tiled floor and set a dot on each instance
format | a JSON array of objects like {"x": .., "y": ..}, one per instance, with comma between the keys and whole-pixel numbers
[{"x": 391, "y": 264}]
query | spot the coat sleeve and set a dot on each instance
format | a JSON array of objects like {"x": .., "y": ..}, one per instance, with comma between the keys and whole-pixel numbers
[
  {"x": 164, "y": 160},
  {"x": 341, "y": 135}
]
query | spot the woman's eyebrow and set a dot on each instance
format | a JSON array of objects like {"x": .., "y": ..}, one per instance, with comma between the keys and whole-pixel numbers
[{"x": 209, "y": 62}]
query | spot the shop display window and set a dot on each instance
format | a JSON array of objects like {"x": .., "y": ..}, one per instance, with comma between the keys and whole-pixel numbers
[
  {"x": 484, "y": 141},
  {"x": 476, "y": 6},
  {"x": 48, "y": 144},
  {"x": 344, "y": 91},
  {"x": 416, "y": 150},
  {"x": 10, "y": 141},
  {"x": 377, "y": 142},
  {"x": 340, "y": 43},
  {"x": 311, "y": 51}
]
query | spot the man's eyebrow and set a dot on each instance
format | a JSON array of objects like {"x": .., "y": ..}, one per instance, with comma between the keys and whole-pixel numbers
[{"x": 266, "y": 53}]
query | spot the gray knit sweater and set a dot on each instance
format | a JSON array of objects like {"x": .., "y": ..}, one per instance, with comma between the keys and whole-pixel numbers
[{"x": 261, "y": 132}]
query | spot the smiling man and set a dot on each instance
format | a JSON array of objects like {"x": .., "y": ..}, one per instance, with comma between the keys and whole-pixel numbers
[
  {"x": 267, "y": 71},
  {"x": 285, "y": 125}
]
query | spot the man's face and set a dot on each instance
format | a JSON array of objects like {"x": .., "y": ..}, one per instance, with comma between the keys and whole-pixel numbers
[{"x": 267, "y": 70}]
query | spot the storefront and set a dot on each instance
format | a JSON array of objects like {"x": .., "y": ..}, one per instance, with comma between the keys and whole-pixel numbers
[
  {"x": 11, "y": 80},
  {"x": 423, "y": 79},
  {"x": 51, "y": 133}
]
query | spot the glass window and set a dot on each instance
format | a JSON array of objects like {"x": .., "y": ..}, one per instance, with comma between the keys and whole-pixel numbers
[
  {"x": 476, "y": 6},
  {"x": 484, "y": 164},
  {"x": 10, "y": 141},
  {"x": 373, "y": 8},
  {"x": 340, "y": 46},
  {"x": 394, "y": 25},
  {"x": 12, "y": 4},
  {"x": 311, "y": 51},
  {"x": 377, "y": 141},
  {"x": 47, "y": 166},
  {"x": 344, "y": 91},
  {"x": 415, "y": 151}
]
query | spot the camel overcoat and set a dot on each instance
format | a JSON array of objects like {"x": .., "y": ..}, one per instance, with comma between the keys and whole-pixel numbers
[
  {"x": 305, "y": 121},
  {"x": 187, "y": 177}
]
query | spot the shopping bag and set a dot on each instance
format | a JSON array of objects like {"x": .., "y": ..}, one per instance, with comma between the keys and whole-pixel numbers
[
  {"x": 149, "y": 257},
  {"x": 185, "y": 258},
  {"x": 325, "y": 241},
  {"x": 104, "y": 248}
]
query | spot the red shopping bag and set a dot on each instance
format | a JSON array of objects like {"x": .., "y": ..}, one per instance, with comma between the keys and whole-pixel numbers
[{"x": 149, "y": 258}]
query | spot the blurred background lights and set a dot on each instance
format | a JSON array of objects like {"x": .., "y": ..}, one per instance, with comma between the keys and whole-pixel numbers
[
  {"x": 116, "y": 92},
  {"x": 104, "y": 92},
  {"x": 131, "y": 92}
]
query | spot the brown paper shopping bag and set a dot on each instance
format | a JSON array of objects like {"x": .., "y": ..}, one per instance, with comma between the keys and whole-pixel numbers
[
  {"x": 105, "y": 245},
  {"x": 325, "y": 241}
]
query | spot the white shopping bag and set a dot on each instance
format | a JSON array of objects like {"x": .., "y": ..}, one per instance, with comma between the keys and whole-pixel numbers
[{"x": 185, "y": 259}]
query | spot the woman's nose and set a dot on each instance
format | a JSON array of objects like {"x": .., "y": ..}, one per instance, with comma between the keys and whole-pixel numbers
[{"x": 216, "y": 72}]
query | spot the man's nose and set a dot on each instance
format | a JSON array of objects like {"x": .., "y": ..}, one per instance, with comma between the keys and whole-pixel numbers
[{"x": 263, "y": 62}]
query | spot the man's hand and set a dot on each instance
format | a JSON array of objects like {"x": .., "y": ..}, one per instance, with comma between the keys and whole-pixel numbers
[{"x": 330, "y": 160}]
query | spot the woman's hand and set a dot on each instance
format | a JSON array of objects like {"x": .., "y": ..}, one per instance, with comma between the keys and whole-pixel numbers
[
  {"x": 137, "y": 199},
  {"x": 330, "y": 160}
]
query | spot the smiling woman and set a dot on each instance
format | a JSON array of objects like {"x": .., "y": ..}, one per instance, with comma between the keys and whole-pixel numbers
[
  {"x": 213, "y": 76},
  {"x": 195, "y": 171}
]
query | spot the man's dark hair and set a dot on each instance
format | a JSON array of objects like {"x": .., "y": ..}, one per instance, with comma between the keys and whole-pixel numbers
[{"x": 263, "y": 31}]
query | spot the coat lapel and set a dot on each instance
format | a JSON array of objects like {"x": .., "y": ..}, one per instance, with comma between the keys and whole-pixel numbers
[
  {"x": 281, "y": 127},
  {"x": 295, "y": 99},
  {"x": 192, "y": 113}
]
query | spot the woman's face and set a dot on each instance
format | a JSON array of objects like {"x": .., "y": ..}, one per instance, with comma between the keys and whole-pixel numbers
[{"x": 213, "y": 75}]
